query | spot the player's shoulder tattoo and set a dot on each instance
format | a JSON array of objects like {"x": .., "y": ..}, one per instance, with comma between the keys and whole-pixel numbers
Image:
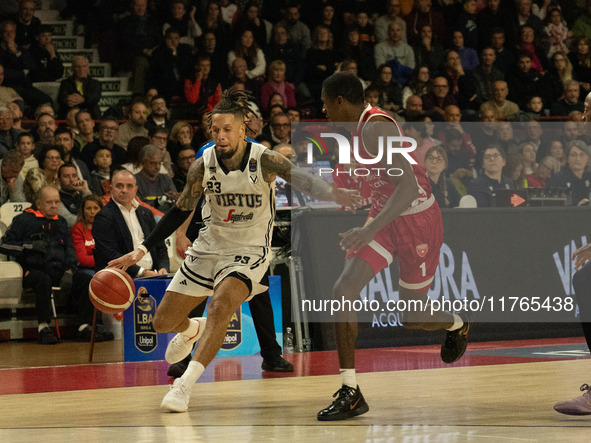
[
  {"x": 273, "y": 164},
  {"x": 194, "y": 187}
]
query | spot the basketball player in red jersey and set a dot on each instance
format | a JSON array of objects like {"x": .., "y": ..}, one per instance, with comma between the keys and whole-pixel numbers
[{"x": 404, "y": 222}]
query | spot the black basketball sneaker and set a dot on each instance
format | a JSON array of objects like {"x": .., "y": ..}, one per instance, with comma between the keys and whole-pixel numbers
[
  {"x": 349, "y": 403},
  {"x": 456, "y": 342}
]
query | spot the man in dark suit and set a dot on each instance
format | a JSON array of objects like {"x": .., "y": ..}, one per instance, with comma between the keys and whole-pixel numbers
[
  {"x": 80, "y": 90},
  {"x": 121, "y": 225}
]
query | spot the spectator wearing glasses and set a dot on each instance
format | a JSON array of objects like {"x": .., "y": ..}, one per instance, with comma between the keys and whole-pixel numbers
[
  {"x": 154, "y": 188},
  {"x": 442, "y": 187},
  {"x": 575, "y": 175},
  {"x": 280, "y": 130},
  {"x": 159, "y": 114},
  {"x": 107, "y": 135},
  {"x": 438, "y": 98},
  {"x": 50, "y": 159},
  {"x": 491, "y": 178},
  {"x": 159, "y": 138},
  {"x": 184, "y": 161},
  {"x": 182, "y": 134}
]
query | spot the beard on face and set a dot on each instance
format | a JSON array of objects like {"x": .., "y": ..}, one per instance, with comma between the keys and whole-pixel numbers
[{"x": 227, "y": 154}]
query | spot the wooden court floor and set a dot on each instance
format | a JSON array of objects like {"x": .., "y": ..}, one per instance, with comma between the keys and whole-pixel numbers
[{"x": 485, "y": 402}]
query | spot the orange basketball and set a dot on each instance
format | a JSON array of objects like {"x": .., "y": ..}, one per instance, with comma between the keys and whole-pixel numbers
[{"x": 111, "y": 290}]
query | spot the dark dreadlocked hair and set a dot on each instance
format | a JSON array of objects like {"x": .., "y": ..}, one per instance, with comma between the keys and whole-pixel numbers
[{"x": 234, "y": 101}]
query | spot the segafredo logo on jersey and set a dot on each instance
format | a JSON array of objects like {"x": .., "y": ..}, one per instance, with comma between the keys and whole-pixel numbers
[{"x": 387, "y": 146}]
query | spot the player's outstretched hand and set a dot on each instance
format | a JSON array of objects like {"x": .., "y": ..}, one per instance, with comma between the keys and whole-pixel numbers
[
  {"x": 582, "y": 255},
  {"x": 127, "y": 260},
  {"x": 355, "y": 239},
  {"x": 349, "y": 198}
]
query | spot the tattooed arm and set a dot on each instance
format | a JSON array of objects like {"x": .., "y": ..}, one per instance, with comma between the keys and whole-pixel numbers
[
  {"x": 274, "y": 164},
  {"x": 193, "y": 189},
  {"x": 172, "y": 220}
]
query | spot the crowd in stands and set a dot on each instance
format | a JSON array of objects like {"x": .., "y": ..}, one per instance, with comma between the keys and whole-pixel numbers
[{"x": 472, "y": 81}]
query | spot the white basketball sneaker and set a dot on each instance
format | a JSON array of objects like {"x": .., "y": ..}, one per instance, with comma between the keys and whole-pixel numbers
[
  {"x": 177, "y": 398},
  {"x": 181, "y": 346}
]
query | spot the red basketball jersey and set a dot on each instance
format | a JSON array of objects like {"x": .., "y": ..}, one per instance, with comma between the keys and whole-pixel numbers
[{"x": 381, "y": 187}]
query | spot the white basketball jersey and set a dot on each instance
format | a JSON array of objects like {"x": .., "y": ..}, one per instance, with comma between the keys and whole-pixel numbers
[{"x": 239, "y": 205}]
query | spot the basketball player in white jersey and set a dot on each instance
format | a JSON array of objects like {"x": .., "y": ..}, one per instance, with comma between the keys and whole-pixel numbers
[{"x": 232, "y": 252}]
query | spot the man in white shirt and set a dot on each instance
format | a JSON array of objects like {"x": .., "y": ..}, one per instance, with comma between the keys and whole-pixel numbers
[{"x": 122, "y": 225}]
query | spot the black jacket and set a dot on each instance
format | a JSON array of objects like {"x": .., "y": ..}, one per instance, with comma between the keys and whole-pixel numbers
[
  {"x": 112, "y": 238},
  {"x": 92, "y": 95},
  {"x": 32, "y": 226},
  {"x": 45, "y": 68}
]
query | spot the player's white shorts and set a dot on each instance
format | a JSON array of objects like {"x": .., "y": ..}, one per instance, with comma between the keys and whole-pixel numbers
[{"x": 208, "y": 262}]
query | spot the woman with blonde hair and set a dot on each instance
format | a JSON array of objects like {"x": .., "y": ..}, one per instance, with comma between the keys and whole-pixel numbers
[
  {"x": 563, "y": 66},
  {"x": 181, "y": 135},
  {"x": 276, "y": 84}
]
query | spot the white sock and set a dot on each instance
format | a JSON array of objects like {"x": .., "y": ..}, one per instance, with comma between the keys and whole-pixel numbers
[
  {"x": 458, "y": 322},
  {"x": 192, "y": 330},
  {"x": 348, "y": 377},
  {"x": 193, "y": 372},
  {"x": 81, "y": 327},
  {"x": 42, "y": 326}
]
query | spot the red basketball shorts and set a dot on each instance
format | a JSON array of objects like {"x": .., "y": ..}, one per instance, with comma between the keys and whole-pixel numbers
[{"x": 415, "y": 240}]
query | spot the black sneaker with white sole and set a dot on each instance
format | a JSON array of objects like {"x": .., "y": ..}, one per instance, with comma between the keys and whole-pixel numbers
[{"x": 349, "y": 403}]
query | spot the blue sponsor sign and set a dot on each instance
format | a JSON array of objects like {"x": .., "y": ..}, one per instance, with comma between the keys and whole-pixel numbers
[{"x": 141, "y": 343}]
